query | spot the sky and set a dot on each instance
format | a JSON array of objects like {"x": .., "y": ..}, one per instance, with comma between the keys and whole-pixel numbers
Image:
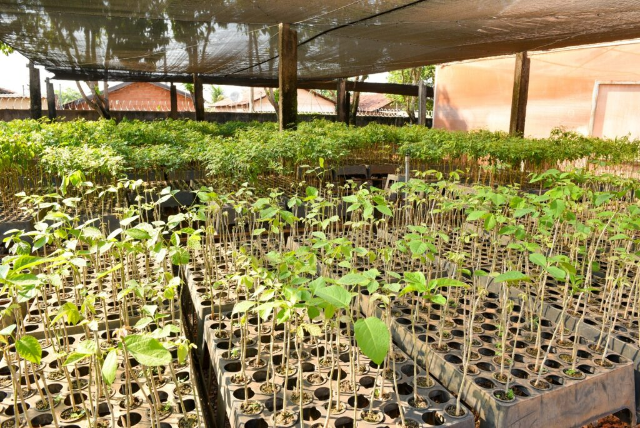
[{"x": 14, "y": 75}]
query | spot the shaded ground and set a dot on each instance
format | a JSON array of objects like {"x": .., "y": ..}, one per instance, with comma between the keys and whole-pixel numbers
[{"x": 608, "y": 422}]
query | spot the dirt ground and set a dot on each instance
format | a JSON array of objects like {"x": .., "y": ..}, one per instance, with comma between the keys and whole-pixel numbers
[{"x": 608, "y": 422}]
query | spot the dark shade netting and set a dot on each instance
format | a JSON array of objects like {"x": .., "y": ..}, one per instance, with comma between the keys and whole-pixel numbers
[{"x": 337, "y": 38}]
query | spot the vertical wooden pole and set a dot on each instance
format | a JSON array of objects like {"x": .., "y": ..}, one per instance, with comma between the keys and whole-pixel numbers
[
  {"x": 422, "y": 103},
  {"x": 35, "y": 95},
  {"x": 252, "y": 107},
  {"x": 173, "y": 93},
  {"x": 288, "y": 77},
  {"x": 347, "y": 107},
  {"x": 341, "y": 102},
  {"x": 520, "y": 94},
  {"x": 105, "y": 86},
  {"x": 51, "y": 100},
  {"x": 199, "y": 101}
]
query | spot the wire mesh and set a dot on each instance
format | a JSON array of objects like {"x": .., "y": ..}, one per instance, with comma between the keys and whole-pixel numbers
[{"x": 337, "y": 38}]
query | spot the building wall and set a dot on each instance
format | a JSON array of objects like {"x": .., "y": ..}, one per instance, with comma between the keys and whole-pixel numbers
[
  {"x": 477, "y": 94},
  {"x": 143, "y": 96},
  {"x": 308, "y": 102},
  {"x": 9, "y": 102}
]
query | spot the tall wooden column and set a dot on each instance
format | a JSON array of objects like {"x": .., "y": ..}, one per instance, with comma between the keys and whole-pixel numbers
[
  {"x": 520, "y": 94},
  {"x": 288, "y": 77},
  {"x": 105, "y": 86},
  {"x": 173, "y": 93},
  {"x": 342, "y": 101},
  {"x": 35, "y": 95},
  {"x": 51, "y": 99},
  {"x": 422, "y": 103},
  {"x": 199, "y": 97}
]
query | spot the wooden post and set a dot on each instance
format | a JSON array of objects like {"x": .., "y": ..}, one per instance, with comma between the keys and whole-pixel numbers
[
  {"x": 342, "y": 102},
  {"x": 199, "y": 97},
  {"x": 105, "y": 86},
  {"x": 288, "y": 77},
  {"x": 422, "y": 103},
  {"x": 347, "y": 106},
  {"x": 51, "y": 100},
  {"x": 173, "y": 93},
  {"x": 35, "y": 96},
  {"x": 252, "y": 107},
  {"x": 520, "y": 94}
]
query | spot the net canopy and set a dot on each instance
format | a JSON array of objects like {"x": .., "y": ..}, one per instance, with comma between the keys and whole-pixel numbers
[{"x": 336, "y": 38}]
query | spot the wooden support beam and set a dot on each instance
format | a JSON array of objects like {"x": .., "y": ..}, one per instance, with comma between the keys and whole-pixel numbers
[
  {"x": 35, "y": 95},
  {"x": 288, "y": 77},
  {"x": 422, "y": 103},
  {"x": 379, "y": 88},
  {"x": 342, "y": 105},
  {"x": 173, "y": 93},
  {"x": 51, "y": 99},
  {"x": 198, "y": 94},
  {"x": 520, "y": 94}
]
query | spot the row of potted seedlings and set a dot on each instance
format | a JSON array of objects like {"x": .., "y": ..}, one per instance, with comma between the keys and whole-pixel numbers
[
  {"x": 93, "y": 335},
  {"x": 531, "y": 238}
]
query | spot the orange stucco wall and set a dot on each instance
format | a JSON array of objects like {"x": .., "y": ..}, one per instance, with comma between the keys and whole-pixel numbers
[
  {"x": 477, "y": 94},
  {"x": 143, "y": 96}
]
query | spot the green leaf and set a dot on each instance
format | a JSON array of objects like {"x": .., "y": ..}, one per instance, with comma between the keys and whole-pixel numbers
[
  {"x": 29, "y": 348},
  {"x": 490, "y": 223},
  {"x": 511, "y": 276},
  {"x": 418, "y": 247},
  {"x": 353, "y": 279},
  {"x": 384, "y": 210},
  {"x": 522, "y": 212},
  {"x": 147, "y": 350},
  {"x": 438, "y": 299},
  {"x": 138, "y": 234},
  {"x": 557, "y": 273},
  {"x": 538, "y": 259},
  {"x": 416, "y": 278},
  {"x": 74, "y": 357},
  {"x": 311, "y": 191},
  {"x": 92, "y": 233},
  {"x": 335, "y": 295},
  {"x": 446, "y": 282},
  {"x": 87, "y": 347},
  {"x": 143, "y": 322},
  {"x": 476, "y": 215},
  {"x": 242, "y": 307},
  {"x": 372, "y": 337},
  {"x": 7, "y": 330},
  {"x": 71, "y": 312},
  {"x": 316, "y": 284},
  {"x": 183, "y": 351},
  {"x": 180, "y": 256},
  {"x": 110, "y": 367},
  {"x": 602, "y": 198}
]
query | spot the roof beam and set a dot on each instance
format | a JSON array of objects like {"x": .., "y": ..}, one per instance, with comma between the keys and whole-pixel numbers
[{"x": 380, "y": 88}]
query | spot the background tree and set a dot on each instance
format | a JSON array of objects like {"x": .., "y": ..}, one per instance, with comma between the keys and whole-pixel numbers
[
  {"x": 355, "y": 101},
  {"x": 273, "y": 95},
  {"x": 69, "y": 94},
  {"x": 189, "y": 88},
  {"x": 216, "y": 94},
  {"x": 411, "y": 76},
  {"x": 5, "y": 49},
  {"x": 96, "y": 99}
]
